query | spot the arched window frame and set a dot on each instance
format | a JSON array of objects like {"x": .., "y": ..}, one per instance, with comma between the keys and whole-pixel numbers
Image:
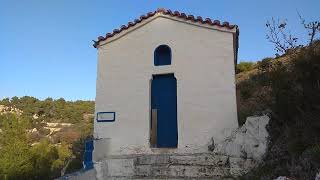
[{"x": 168, "y": 57}]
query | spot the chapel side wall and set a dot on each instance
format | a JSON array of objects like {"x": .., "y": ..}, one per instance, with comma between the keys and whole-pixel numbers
[{"x": 203, "y": 63}]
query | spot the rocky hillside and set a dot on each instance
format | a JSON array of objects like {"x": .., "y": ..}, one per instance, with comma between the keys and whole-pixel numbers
[
  {"x": 49, "y": 133},
  {"x": 287, "y": 87}
]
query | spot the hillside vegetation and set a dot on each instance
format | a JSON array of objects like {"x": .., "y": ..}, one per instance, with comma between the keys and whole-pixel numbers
[
  {"x": 288, "y": 88},
  {"x": 42, "y": 139}
]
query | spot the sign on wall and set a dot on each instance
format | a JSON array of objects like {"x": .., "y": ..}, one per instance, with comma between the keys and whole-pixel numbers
[{"x": 106, "y": 116}]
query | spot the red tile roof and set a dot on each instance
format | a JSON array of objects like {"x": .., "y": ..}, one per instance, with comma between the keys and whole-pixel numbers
[{"x": 199, "y": 19}]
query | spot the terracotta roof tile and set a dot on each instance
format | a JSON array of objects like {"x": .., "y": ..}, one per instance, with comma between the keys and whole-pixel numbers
[{"x": 166, "y": 12}]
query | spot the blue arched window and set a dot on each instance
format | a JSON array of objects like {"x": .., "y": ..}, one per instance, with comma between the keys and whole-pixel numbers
[{"x": 162, "y": 55}]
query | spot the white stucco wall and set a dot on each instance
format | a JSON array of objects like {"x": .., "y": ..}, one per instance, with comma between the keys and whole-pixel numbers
[{"x": 203, "y": 64}]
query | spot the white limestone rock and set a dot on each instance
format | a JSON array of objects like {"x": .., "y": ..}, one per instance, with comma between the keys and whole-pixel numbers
[
  {"x": 317, "y": 176},
  {"x": 240, "y": 166},
  {"x": 283, "y": 178},
  {"x": 249, "y": 141}
]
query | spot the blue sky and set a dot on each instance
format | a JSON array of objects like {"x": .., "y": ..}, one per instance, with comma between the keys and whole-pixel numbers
[{"x": 46, "y": 48}]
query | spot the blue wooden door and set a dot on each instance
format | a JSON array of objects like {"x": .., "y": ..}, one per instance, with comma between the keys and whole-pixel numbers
[{"x": 164, "y": 100}]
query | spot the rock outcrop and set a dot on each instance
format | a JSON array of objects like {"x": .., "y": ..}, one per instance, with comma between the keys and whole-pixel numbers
[
  {"x": 317, "y": 176},
  {"x": 10, "y": 110},
  {"x": 283, "y": 178},
  {"x": 249, "y": 141}
]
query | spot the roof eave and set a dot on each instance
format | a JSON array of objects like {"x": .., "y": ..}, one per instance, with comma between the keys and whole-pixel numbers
[{"x": 174, "y": 15}]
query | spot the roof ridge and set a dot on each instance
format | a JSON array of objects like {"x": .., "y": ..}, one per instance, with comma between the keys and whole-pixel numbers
[{"x": 164, "y": 11}]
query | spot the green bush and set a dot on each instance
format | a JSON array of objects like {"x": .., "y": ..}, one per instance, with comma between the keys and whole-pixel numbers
[
  {"x": 20, "y": 160},
  {"x": 264, "y": 64},
  {"x": 296, "y": 146},
  {"x": 247, "y": 88},
  {"x": 314, "y": 152},
  {"x": 244, "y": 67},
  {"x": 242, "y": 116}
]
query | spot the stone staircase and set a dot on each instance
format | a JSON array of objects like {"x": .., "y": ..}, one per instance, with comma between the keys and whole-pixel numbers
[
  {"x": 233, "y": 157},
  {"x": 172, "y": 166}
]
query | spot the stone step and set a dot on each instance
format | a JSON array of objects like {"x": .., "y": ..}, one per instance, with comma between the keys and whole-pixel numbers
[
  {"x": 175, "y": 166},
  {"x": 170, "y": 166},
  {"x": 170, "y": 178},
  {"x": 180, "y": 171},
  {"x": 193, "y": 159}
]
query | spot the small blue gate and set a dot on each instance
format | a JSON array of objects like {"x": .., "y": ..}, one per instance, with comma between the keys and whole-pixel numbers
[{"x": 87, "y": 162}]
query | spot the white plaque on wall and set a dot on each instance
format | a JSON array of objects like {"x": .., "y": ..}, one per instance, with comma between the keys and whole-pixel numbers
[{"x": 106, "y": 116}]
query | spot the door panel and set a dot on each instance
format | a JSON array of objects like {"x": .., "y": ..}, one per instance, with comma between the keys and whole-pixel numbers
[{"x": 164, "y": 100}]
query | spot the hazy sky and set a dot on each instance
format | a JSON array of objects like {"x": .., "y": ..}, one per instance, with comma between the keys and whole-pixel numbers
[{"x": 46, "y": 48}]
